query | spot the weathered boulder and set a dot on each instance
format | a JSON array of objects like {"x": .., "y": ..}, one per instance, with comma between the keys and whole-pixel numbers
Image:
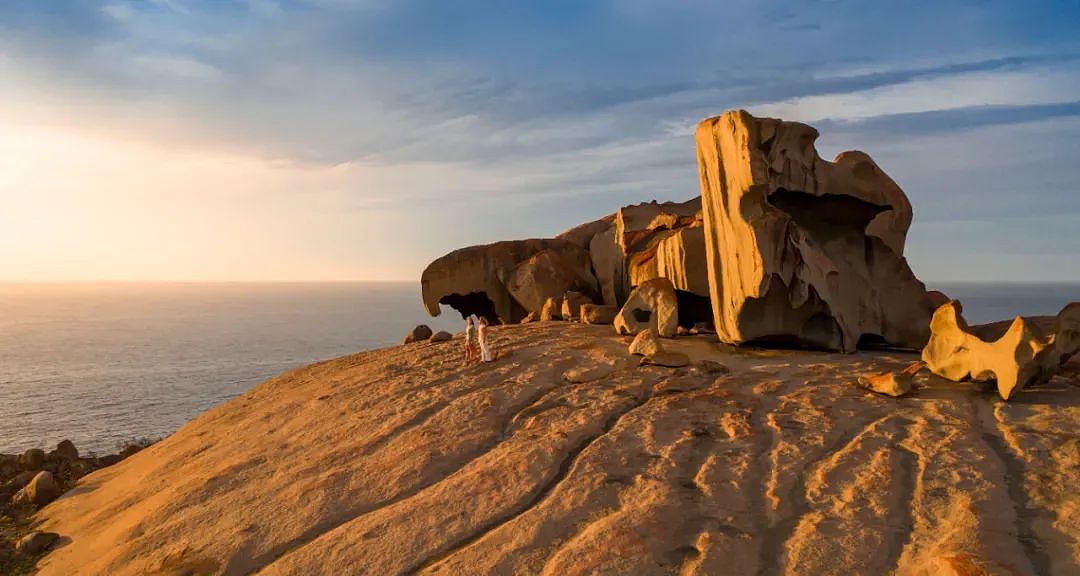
[
  {"x": 544, "y": 275},
  {"x": 582, "y": 234},
  {"x": 800, "y": 249},
  {"x": 572, "y": 303},
  {"x": 41, "y": 490},
  {"x": 473, "y": 280},
  {"x": 1024, "y": 352},
  {"x": 32, "y": 459},
  {"x": 668, "y": 359},
  {"x": 651, "y": 305},
  {"x": 646, "y": 343},
  {"x": 35, "y": 543},
  {"x": 588, "y": 373},
  {"x": 65, "y": 450},
  {"x": 936, "y": 299},
  {"x": 893, "y": 384},
  {"x": 421, "y": 332},
  {"x": 598, "y": 313},
  {"x": 552, "y": 309},
  {"x": 441, "y": 336}
]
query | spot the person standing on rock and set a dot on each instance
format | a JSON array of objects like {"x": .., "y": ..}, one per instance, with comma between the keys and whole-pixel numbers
[
  {"x": 485, "y": 349},
  {"x": 470, "y": 339}
]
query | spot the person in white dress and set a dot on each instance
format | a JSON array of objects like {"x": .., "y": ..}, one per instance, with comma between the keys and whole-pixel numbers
[{"x": 482, "y": 336}]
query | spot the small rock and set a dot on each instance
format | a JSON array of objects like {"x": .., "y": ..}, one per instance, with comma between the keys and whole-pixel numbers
[
  {"x": 598, "y": 313},
  {"x": 66, "y": 450},
  {"x": 582, "y": 375},
  {"x": 530, "y": 317},
  {"x": 35, "y": 543},
  {"x": 668, "y": 359},
  {"x": 552, "y": 309},
  {"x": 441, "y": 336},
  {"x": 646, "y": 343},
  {"x": 41, "y": 490},
  {"x": 712, "y": 367},
  {"x": 32, "y": 459},
  {"x": 893, "y": 384},
  {"x": 572, "y": 302},
  {"x": 421, "y": 332},
  {"x": 681, "y": 331}
]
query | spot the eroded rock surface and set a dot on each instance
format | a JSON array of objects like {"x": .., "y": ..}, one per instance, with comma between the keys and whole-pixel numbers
[
  {"x": 1014, "y": 355},
  {"x": 402, "y": 461},
  {"x": 801, "y": 249},
  {"x": 474, "y": 280},
  {"x": 653, "y": 305}
]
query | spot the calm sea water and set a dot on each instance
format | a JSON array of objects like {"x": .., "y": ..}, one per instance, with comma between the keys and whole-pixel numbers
[{"x": 104, "y": 363}]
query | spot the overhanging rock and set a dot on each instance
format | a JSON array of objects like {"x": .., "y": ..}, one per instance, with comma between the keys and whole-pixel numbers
[{"x": 799, "y": 249}]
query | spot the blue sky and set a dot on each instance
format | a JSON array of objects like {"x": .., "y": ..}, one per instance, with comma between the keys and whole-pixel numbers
[{"x": 359, "y": 139}]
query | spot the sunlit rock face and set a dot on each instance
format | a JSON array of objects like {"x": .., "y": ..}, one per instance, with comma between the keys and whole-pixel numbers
[
  {"x": 483, "y": 280},
  {"x": 1013, "y": 355},
  {"x": 801, "y": 250}
]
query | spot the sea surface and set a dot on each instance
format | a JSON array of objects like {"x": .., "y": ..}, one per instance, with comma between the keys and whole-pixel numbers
[{"x": 101, "y": 364}]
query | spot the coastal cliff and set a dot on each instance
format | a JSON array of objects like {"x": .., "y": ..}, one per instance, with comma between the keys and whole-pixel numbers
[{"x": 565, "y": 456}]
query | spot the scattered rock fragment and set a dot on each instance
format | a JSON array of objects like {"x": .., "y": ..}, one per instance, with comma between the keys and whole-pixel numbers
[
  {"x": 20, "y": 480},
  {"x": 893, "y": 384},
  {"x": 441, "y": 336},
  {"x": 421, "y": 332},
  {"x": 41, "y": 490},
  {"x": 598, "y": 313},
  {"x": 587, "y": 374},
  {"x": 35, "y": 543},
  {"x": 712, "y": 367},
  {"x": 667, "y": 359},
  {"x": 646, "y": 343}
]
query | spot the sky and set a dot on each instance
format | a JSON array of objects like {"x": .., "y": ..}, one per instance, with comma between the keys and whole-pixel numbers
[{"x": 306, "y": 140}]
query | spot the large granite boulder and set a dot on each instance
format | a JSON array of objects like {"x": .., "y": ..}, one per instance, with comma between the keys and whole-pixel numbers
[
  {"x": 547, "y": 274},
  {"x": 651, "y": 305},
  {"x": 1013, "y": 354},
  {"x": 474, "y": 280},
  {"x": 800, "y": 249},
  {"x": 41, "y": 490}
]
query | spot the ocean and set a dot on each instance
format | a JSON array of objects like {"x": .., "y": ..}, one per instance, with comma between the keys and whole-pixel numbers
[{"x": 101, "y": 364}]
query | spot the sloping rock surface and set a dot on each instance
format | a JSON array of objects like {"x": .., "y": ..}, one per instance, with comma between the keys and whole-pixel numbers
[
  {"x": 400, "y": 461},
  {"x": 801, "y": 249}
]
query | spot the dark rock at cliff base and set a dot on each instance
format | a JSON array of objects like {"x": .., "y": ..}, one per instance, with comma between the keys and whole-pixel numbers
[
  {"x": 441, "y": 336},
  {"x": 35, "y": 543},
  {"x": 421, "y": 332},
  {"x": 41, "y": 490}
]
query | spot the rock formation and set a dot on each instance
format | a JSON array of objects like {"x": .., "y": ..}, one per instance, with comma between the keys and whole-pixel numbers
[
  {"x": 476, "y": 280},
  {"x": 1014, "y": 355},
  {"x": 653, "y": 305},
  {"x": 598, "y": 313},
  {"x": 893, "y": 383},
  {"x": 547, "y": 274},
  {"x": 572, "y": 303},
  {"x": 800, "y": 249},
  {"x": 420, "y": 332}
]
